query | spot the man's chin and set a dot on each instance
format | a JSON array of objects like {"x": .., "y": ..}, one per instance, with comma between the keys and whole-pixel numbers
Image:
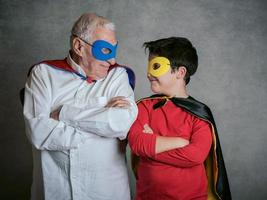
[{"x": 103, "y": 75}]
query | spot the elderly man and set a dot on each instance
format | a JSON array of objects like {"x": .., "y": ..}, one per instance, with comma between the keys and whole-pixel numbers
[{"x": 77, "y": 112}]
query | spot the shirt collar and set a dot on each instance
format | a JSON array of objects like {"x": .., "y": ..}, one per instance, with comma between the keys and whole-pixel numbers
[{"x": 77, "y": 67}]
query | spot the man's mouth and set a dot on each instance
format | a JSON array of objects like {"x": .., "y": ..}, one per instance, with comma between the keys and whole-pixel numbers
[{"x": 106, "y": 66}]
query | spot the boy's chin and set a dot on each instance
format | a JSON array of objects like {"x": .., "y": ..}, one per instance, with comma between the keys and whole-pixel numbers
[{"x": 155, "y": 90}]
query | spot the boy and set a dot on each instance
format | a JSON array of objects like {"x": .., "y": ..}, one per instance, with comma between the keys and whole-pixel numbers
[{"x": 174, "y": 134}]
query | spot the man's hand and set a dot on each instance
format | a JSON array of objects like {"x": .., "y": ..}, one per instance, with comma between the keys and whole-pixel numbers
[
  {"x": 55, "y": 114},
  {"x": 119, "y": 102},
  {"x": 147, "y": 129}
]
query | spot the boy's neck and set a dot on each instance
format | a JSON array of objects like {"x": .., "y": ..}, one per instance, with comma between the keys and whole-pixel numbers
[
  {"x": 179, "y": 92},
  {"x": 180, "y": 95}
]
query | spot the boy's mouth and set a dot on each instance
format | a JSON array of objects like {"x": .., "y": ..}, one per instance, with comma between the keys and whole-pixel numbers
[{"x": 150, "y": 78}]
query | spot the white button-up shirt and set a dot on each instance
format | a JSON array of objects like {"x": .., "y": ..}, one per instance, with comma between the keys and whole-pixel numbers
[{"x": 78, "y": 157}]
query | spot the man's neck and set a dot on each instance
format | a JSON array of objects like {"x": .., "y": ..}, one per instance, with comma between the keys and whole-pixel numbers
[
  {"x": 77, "y": 60},
  {"x": 74, "y": 58}
]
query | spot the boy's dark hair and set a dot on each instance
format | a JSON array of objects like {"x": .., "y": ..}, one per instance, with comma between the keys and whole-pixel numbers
[{"x": 178, "y": 50}]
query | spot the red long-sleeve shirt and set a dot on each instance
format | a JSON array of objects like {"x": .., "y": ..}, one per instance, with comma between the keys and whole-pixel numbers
[{"x": 177, "y": 174}]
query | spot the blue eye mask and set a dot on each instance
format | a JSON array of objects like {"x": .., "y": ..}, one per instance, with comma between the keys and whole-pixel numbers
[{"x": 103, "y": 50}]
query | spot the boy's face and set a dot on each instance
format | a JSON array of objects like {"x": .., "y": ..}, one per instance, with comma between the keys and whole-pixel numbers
[{"x": 165, "y": 83}]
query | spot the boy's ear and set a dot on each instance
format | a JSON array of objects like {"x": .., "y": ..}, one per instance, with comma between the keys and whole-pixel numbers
[
  {"x": 181, "y": 72},
  {"x": 77, "y": 46}
]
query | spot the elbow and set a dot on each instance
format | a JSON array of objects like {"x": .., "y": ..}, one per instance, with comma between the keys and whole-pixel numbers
[
  {"x": 35, "y": 142},
  {"x": 121, "y": 120},
  {"x": 37, "y": 146},
  {"x": 198, "y": 159},
  {"x": 136, "y": 150},
  {"x": 120, "y": 130},
  {"x": 142, "y": 151},
  {"x": 33, "y": 138},
  {"x": 133, "y": 147},
  {"x": 132, "y": 141},
  {"x": 142, "y": 145}
]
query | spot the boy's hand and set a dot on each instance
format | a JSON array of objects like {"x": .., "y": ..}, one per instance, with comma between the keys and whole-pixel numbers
[
  {"x": 183, "y": 142},
  {"x": 147, "y": 129}
]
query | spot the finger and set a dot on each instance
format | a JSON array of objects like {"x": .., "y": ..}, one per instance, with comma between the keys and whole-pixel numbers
[
  {"x": 147, "y": 128},
  {"x": 147, "y": 132},
  {"x": 119, "y": 103},
  {"x": 111, "y": 103},
  {"x": 117, "y": 98},
  {"x": 122, "y": 102},
  {"x": 114, "y": 100},
  {"x": 150, "y": 130}
]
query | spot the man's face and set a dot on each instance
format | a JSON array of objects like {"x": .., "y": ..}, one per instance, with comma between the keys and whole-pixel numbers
[{"x": 97, "y": 68}]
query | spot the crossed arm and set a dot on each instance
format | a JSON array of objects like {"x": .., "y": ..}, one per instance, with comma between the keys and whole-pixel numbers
[
  {"x": 166, "y": 143},
  {"x": 174, "y": 151},
  {"x": 45, "y": 132}
]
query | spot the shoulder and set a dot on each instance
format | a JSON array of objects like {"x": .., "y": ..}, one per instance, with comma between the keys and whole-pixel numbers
[
  {"x": 124, "y": 73},
  {"x": 196, "y": 100},
  {"x": 116, "y": 72},
  {"x": 45, "y": 73},
  {"x": 40, "y": 68},
  {"x": 200, "y": 110},
  {"x": 121, "y": 70},
  {"x": 199, "y": 106},
  {"x": 149, "y": 101}
]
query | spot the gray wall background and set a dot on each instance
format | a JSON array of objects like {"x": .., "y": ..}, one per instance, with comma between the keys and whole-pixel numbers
[{"x": 230, "y": 36}]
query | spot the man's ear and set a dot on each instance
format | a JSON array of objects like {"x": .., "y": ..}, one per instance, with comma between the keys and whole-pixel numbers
[
  {"x": 77, "y": 46},
  {"x": 181, "y": 72}
]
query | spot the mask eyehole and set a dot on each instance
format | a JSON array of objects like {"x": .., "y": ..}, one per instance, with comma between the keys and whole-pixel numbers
[
  {"x": 105, "y": 50},
  {"x": 155, "y": 66}
]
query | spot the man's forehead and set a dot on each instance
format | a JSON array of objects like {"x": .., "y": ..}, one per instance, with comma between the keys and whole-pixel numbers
[{"x": 102, "y": 33}]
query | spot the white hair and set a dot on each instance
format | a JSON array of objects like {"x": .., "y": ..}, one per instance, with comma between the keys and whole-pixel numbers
[{"x": 85, "y": 26}]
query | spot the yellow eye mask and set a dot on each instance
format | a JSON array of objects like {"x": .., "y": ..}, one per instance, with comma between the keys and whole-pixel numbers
[{"x": 158, "y": 66}]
